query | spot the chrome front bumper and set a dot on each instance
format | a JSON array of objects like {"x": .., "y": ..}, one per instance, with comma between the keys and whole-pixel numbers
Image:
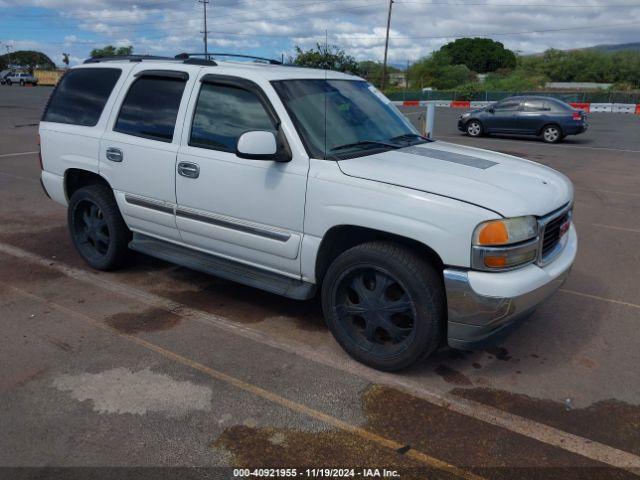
[{"x": 476, "y": 319}]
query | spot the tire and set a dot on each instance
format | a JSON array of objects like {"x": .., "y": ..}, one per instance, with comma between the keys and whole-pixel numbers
[
  {"x": 8, "y": 82},
  {"x": 97, "y": 229},
  {"x": 22, "y": 83},
  {"x": 384, "y": 304},
  {"x": 474, "y": 128},
  {"x": 551, "y": 134}
]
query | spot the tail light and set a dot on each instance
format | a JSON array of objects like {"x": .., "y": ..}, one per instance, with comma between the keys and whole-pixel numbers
[
  {"x": 577, "y": 116},
  {"x": 39, "y": 151}
]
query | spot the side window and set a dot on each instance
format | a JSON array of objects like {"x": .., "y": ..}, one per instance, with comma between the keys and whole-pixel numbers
[
  {"x": 559, "y": 106},
  {"x": 535, "y": 106},
  {"x": 151, "y": 107},
  {"x": 225, "y": 112},
  {"x": 81, "y": 96},
  {"x": 507, "y": 105}
]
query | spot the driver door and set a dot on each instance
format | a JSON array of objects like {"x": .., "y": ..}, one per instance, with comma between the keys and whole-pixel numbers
[
  {"x": 504, "y": 117},
  {"x": 250, "y": 211}
]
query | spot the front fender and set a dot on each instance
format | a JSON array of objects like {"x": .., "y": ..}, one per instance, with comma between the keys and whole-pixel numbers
[{"x": 333, "y": 199}]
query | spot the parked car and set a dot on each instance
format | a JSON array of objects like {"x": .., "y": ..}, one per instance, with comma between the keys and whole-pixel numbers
[
  {"x": 3, "y": 76},
  {"x": 301, "y": 181},
  {"x": 549, "y": 118},
  {"x": 21, "y": 78}
]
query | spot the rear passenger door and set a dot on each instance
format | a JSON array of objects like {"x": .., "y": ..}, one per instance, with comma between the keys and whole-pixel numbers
[
  {"x": 251, "y": 211},
  {"x": 138, "y": 150}
]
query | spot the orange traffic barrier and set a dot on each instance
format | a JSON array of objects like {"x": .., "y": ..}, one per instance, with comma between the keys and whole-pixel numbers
[
  {"x": 581, "y": 106},
  {"x": 460, "y": 104}
]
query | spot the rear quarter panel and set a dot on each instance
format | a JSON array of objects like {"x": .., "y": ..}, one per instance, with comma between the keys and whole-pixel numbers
[{"x": 66, "y": 146}]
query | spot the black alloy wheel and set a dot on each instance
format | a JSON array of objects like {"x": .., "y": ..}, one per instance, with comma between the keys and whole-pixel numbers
[
  {"x": 97, "y": 229},
  {"x": 384, "y": 303},
  {"x": 374, "y": 310}
]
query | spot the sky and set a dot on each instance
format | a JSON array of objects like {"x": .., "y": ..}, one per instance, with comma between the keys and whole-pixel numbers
[{"x": 273, "y": 28}]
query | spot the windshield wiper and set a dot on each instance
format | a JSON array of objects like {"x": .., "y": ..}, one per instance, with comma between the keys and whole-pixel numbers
[
  {"x": 364, "y": 143},
  {"x": 408, "y": 136}
]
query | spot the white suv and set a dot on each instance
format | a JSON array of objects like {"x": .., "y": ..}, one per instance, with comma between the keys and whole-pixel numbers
[{"x": 299, "y": 181}]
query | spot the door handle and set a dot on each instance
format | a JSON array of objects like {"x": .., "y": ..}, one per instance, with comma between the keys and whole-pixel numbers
[
  {"x": 189, "y": 169},
  {"x": 114, "y": 154}
]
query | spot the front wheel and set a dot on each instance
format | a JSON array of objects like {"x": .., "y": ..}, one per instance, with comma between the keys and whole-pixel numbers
[
  {"x": 97, "y": 229},
  {"x": 551, "y": 134},
  {"x": 474, "y": 128},
  {"x": 384, "y": 305}
]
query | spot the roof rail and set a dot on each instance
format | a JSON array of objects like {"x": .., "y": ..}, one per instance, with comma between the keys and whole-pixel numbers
[
  {"x": 130, "y": 58},
  {"x": 209, "y": 56}
]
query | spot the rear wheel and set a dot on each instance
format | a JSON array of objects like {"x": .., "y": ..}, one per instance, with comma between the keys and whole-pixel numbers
[
  {"x": 97, "y": 228},
  {"x": 551, "y": 134},
  {"x": 474, "y": 128},
  {"x": 384, "y": 305},
  {"x": 8, "y": 82},
  {"x": 22, "y": 83}
]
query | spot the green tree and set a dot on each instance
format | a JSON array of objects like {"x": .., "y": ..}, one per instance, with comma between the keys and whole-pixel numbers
[
  {"x": 437, "y": 72},
  {"x": 111, "y": 51},
  {"x": 585, "y": 66},
  {"x": 28, "y": 59},
  {"x": 326, "y": 57},
  {"x": 372, "y": 71},
  {"x": 481, "y": 55}
]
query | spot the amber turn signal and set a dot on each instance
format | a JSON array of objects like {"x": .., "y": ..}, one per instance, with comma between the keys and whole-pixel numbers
[{"x": 493, "y": 233}]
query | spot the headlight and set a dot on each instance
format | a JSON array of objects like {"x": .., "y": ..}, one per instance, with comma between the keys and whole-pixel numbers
[
  {"x": 505, "y": 244},
  {"x": 506, "y": 231}
]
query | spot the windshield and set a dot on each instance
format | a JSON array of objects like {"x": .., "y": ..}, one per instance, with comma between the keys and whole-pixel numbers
[{"x": 340, "y": 118}]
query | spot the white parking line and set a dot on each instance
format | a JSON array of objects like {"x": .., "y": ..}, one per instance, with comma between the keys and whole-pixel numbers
[
  {"x": 18, "y": 177},
  {"x": 602, "y": 299},
  {"x": 529, "y": 428},
  {"x": 19, "y": 154},
  {"x": 615, "y": 192},
  {"x": 612, "y": 227}
]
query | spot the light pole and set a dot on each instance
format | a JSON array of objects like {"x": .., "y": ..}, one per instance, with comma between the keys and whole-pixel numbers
[
  {"x": 386, "y": 48},
  {"x": 205, "y": 32}
]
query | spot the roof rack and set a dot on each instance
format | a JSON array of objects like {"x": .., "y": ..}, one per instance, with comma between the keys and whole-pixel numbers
[
  {"x": 209, "y": 57},
  {"x": 130, "y": 58}
]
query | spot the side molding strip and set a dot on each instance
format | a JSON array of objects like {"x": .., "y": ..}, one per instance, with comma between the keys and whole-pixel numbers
[
  {"x": 262, "y": 232},
  {"x": 160, "y": 207},
  {"x": 148, "y": 204}
]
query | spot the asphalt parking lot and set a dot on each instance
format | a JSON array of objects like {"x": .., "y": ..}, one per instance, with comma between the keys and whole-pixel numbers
[{"x": 156, "y": 365}]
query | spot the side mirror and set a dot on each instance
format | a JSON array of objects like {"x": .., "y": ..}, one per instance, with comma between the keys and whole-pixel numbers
[
  {"x": 491, "y": 110},
  {"x": 257, "y": 145}
]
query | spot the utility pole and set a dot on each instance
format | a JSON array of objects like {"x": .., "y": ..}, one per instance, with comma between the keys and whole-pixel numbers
[
  {"x": 205, "y": 32},
  {"x": 386, "y": 48}
]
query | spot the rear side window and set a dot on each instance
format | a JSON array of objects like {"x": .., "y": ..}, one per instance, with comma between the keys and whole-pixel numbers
[
  {"x": 535, "y": 105},
  {"x": 559, "y": 106},
  {"x": 151, "y": 107},
  {"x": 223, "y": 113},
  {"x": 81, "y": 96}
]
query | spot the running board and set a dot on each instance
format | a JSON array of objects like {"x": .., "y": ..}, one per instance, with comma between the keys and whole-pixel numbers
[{"x": 223, "y": 268}]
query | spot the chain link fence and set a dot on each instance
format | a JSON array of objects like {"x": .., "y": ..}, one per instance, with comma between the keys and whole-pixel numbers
[{"x": 569, "y": 97}]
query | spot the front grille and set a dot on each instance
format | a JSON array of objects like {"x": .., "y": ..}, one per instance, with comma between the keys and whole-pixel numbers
[{"x": 552, "y": 235}]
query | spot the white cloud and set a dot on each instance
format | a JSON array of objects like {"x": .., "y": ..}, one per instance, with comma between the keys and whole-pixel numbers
[{"x": 269, "y": 27}]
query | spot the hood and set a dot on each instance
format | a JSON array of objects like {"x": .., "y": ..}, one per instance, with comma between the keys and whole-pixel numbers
[{"x": 508, "y": 185}]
